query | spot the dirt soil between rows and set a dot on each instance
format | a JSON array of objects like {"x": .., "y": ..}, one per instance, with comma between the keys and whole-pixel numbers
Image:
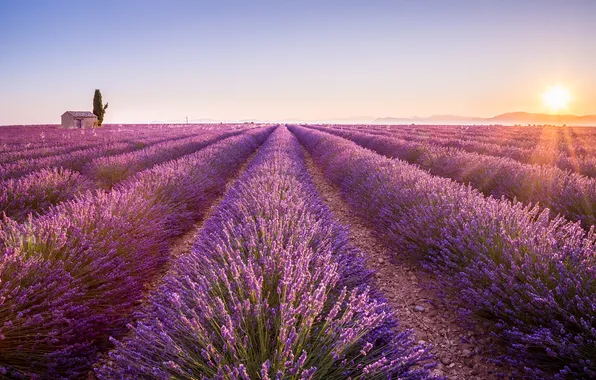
[{"x": 461, "y": 353}]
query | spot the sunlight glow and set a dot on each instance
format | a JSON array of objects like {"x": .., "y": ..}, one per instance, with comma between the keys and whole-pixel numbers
[{"x": 556, "y": 98}]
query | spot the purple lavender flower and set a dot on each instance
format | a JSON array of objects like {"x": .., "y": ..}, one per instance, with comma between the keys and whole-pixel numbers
[
  {"x": 73, "y": 277},
  {"x": 271, "y": 289},
  {"x": 530, "y": 275}
]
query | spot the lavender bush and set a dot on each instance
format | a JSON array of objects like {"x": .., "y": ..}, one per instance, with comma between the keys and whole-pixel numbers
[
  {"x": 271, "y": 290},
  {"x": 573, "y": 142},
  {"x": 31, "y": 140},
  {"x": 39, "y": 191},
  {"x": 532, "y": 276},
  {"x": 72, "y": 161},
  {"x": 21, "y": 161},
  {"x": 71, "y": 144},
  {"x": 573, "y": 159},
  {"x": 75, "y": 275},
  {"x": 41, "y": 310},
  {"x": 569, "y": 194},
  {"x": 108, "y": 170}
]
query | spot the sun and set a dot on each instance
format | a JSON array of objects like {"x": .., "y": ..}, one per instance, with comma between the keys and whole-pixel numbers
[{"x": 556, "y": 98}]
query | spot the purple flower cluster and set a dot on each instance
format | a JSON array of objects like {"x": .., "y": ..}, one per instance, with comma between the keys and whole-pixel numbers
[
  {"x": 546, "y": 142},
  {"x": 72, "y": 140},
  {"x": 73, "y": 277},
  {"x": 532, "y": 277},
  {"x": 39, "y": 191},
  {"x": 569, "y": 194},
  {"x": 106, "y": 171},
  {"x": 46, "y": 150},
  {"x": 545, "y": 153},
  {"x": 73, "y": 161},
  {"x": 31, "y": 141},
  {"x": 271, "y": 290},
  {"x": 75, "y": 150}
]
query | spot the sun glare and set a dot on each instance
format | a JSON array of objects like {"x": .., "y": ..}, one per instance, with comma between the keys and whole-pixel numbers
[{"x": 556, "y": 98}]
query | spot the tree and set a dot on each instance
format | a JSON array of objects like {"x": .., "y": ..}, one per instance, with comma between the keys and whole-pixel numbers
[{"x": 99, "y": 109}]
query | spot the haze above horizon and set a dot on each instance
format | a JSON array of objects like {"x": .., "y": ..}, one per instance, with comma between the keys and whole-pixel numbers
[{"x": 233, "y": 60}]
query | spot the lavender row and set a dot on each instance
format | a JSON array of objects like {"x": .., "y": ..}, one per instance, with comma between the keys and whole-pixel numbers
[
  {"x": 530, "y": 276},
  {"x": 569, "y": 194},
  {"x": 106, "y": 171},
  {"x": 271, "y": 290},
  {"x": 538, "y": 155},
  {"x": 521, "y": 136},
  {"x": 44, "y": 150},
  {"x": 20, "y": 137},
  {"x": 73, "y": 277},
  {"x": 74, "y": 161},
  {"x": 29, "y": 139},
  {"x": 568, "y": 140},
  {"x": 37, "y": 148},
  {"x": 581, "y": 164},
  {"x": 40, "y": 190},
  {"x": 138, "y": 138},
  {"x": 37, "y": 192}
]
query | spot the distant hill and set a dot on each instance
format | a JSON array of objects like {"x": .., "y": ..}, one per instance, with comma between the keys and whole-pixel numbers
[
  {"x": 510, "y": 118},
  {"x": 540, "y": 118}
]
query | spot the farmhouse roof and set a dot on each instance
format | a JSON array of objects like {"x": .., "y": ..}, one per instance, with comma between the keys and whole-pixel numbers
[{"x": 81, "y": 113}]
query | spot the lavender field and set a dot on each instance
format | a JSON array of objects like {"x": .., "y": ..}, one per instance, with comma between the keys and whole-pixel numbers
[{"x": 271, "y": 251}]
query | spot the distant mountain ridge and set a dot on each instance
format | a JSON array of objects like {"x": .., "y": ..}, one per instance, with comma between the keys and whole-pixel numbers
[
  {"x": 539, "y": 118},
  {"x": 509, "y": 118}
]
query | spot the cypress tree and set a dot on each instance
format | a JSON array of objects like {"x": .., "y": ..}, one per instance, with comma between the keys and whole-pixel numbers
[{"x": 99, "y": 109}]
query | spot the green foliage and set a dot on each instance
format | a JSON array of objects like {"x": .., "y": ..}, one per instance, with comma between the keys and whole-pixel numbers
[{"x": 99, "y": 109}]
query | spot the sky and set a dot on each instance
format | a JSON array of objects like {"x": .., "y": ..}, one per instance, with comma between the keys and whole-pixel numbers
[{"x": 308, "y": 60}]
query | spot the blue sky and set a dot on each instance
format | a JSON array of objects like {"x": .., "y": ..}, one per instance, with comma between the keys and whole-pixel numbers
[{"x": 231, "y": 60}]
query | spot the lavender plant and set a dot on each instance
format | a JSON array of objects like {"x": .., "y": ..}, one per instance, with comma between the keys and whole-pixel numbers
[
  {"x": 21, "y": 161},
  {"x": 272, "y": 289},
  {"x": 571, "y": 159},
  {"x": 531, "y": 276},
  {"x": 108, "y": 170},
  {"x": 104, "y": 248},
  {"x": 569, "y": 194},
  {"x": 72, "y": 161},
  {"x": 40, "y": 190},
  {"x": 574, "y": 142}
]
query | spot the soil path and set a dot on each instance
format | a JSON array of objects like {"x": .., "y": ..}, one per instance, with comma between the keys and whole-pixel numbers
[{"x": 460, "y": 352}]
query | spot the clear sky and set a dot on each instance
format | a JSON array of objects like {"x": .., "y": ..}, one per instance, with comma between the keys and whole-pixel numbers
[{"x": 231, "y": 60}]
